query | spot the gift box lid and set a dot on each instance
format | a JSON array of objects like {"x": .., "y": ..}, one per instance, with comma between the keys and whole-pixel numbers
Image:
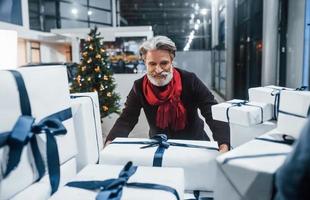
[{"x": 295, "y": 102}]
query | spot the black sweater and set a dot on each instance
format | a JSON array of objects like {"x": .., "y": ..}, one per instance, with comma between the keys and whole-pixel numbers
[{"x": 194, "y": 95}]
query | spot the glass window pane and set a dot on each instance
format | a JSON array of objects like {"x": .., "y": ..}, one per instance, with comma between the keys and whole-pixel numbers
[
  {"x": 223, "y": 87},
  {"x": 35, "y": 45},
  {"x": 101, "y": 3},
  {"x": 10, "y": 11},
  {"x": 65, "y": 23},
  {"x": 50, "y": 8},
  {"x": 83, "y": 2},
  {"x": 101, "y": 16},
  {"x": 92, "y": 25},
  {"x": 223, "y": 70},
  {"x": 50, "y": 23},
  {"x": 73, "y": 11}
]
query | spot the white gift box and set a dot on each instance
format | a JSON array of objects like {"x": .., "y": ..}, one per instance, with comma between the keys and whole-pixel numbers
[
  {"x": 242, "y": 134},
  {"x": 198, "y": 163},
  {"x": 86, "y": 117},
  {"x": 172, "y": 177},
  {"x": 251, "y": 113},
  {"x": 295, "y": 103},
  {"x": 247, "y": 172},
  {"x": 264, "y": 94},
  {"x": 293, "y": 112},
  {"x": 48, "y": 92},
  {"x": 290, "y": 125},
  {"x": 42, "y": 190}
]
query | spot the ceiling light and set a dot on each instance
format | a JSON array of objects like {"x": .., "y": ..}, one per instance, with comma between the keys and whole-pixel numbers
[
  {"x": 89, "y": 12},
  {"x": 198, "y": 21},
  {"x": 74, "y": 11},
  {"x": 204, "y": 11},
  {"x": 196, "y": 26},
  {"x": 196, "y": 6}
]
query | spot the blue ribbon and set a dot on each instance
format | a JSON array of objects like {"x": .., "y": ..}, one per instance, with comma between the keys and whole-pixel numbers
[
  {"x": 24, "y": 132},
  {"x": 277, "y": 93},
  {"x": 243, "y": 103},
  {"x": 52, "y": 126},
  {"x": 161, "y": 141},
  {"x": 112, "y": 189},
  {"x": 253, "y": 156},
  {"x": 279, "y": 138},
  {"x": 302, "y": 88}
]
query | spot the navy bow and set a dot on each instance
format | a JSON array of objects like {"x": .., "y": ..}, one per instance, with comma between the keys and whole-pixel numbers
[
  {"x": 24, "y": 132},
  {"x": 234, "y": 104},
  {"x": 161, "y": 142},
  {"x": 243, "y": 103},
  {"x": 112, "y": 189}
]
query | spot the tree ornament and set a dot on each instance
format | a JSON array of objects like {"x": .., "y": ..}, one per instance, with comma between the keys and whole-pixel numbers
[
  {"x": 97, "y": 69},
  {"x": 98, "y": 56},
  {"x": 105, "y": 108}
]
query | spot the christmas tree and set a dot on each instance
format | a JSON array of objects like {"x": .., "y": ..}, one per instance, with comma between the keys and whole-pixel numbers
[{"x": 94, "y": 74}]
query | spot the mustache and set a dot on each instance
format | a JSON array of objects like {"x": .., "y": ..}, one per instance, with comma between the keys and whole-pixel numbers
[{"x": 162, "y": 74}]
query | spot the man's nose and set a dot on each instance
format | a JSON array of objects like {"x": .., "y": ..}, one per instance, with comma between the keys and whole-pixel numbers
[{"x": 158, "y": 69}]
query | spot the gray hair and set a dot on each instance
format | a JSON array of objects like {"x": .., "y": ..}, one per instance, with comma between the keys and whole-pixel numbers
[{"x": 158, "y": 43}]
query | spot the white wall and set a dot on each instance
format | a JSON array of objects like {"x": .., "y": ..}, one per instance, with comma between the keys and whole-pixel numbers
[
  {"x": 53, "y": 52},
  {"x": 295, "y": 43},
  {"x": 198, "y": 62},
  {"x": 21, "y": 52}
]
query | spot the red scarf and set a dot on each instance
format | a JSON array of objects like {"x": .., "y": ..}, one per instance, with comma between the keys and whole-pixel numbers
[{"x": 171, "y": 111}]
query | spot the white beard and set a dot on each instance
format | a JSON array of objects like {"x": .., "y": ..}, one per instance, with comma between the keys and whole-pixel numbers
[{"x": 163, "y": 81}]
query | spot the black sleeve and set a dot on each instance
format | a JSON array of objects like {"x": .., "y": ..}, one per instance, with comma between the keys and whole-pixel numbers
[
  {"x": 128, "y": 118},
  {"x": 205, "y": 99}
]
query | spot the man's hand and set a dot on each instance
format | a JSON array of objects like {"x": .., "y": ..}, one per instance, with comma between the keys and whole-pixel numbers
[
  {"x": 223, "y": 148},
  {"x": 107, "y": 143}
]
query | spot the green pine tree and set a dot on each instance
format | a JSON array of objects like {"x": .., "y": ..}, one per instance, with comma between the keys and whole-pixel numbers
[{"x": 94, "y": 74}]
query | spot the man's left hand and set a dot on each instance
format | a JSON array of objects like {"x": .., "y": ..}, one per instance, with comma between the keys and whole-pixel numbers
[{"x": 223, "y": 148}]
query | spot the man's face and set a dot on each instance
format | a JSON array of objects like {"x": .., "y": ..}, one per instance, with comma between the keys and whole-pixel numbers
[{"x": 159, "y": 67}]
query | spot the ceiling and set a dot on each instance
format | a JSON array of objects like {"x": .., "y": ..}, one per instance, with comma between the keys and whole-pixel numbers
[{"x": 169, "y": 17}]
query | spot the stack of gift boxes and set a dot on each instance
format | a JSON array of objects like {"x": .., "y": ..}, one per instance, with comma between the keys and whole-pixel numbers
[
  {"x": 51, "y": 146},
  {"x": 247, "y": 171}
]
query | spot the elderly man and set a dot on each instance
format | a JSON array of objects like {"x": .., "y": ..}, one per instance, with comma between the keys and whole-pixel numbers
[{"x": 170, "y": 98}]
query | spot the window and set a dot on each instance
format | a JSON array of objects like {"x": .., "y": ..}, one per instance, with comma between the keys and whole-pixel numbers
[
  {"x": 35, "y": 52},
  {"x": 49, "y": 14},
  {"x": 10, "y": 11}
]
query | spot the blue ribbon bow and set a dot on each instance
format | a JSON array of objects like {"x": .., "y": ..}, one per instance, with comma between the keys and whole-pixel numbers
[
  {"x": 161, "y": 142},
  {"x": 112, "y": 189},
  {"x": 277, "y": 93},
  {"x": 243, "y": 103},
  {"x": 24, "y": 132}
]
